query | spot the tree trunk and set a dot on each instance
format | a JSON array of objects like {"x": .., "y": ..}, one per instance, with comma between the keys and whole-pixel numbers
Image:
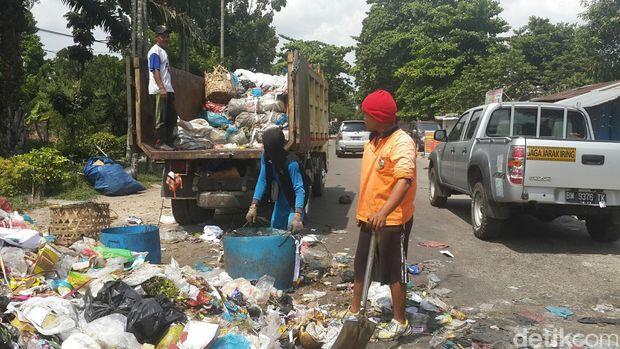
[{"x": 12, "y": 26}]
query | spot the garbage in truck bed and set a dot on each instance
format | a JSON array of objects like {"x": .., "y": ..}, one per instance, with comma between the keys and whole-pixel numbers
[{"x": 240, "y": 106}]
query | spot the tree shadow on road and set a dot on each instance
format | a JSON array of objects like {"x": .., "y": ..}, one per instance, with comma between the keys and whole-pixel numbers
[
  {"x": 326, "y": 214},
  {"x": 527, "y": 234}
]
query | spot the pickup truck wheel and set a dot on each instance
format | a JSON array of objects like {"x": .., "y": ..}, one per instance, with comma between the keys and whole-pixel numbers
[
  {"x": 435, "y": 199},
  {"x": 485, "y": 227},
  {"x": 603, "y": 229},
  {"x": 185, "y": 211},
  {"x": 339, "y": 153},
  {"x": 318, "y": 182}
]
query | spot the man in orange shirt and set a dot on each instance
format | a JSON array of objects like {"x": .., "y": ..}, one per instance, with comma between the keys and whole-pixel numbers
[{"x": 386, "y": 206}]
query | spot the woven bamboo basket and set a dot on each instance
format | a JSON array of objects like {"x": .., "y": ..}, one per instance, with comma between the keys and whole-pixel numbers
[
  {"x": 219, "y": 86},
  {"x": 69, "y": 223}
]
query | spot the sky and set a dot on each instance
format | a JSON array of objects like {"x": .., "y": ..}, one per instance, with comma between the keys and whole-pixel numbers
[{"x": 330, "y": 21}]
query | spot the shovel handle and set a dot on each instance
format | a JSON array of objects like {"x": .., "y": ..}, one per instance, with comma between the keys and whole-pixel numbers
[{"x": 368, "y": 273}]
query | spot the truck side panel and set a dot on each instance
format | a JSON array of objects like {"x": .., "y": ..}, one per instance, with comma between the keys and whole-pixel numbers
[{"x": 308, "y": 106}]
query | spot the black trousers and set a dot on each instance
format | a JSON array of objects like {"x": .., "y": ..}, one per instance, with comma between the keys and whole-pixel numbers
[
  {"x": 165, "y": 119},
  {"x": 390, "y": 263}
]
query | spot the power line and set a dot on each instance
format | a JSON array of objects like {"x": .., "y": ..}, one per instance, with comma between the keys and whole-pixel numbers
[{"x": 66, "y": 35}]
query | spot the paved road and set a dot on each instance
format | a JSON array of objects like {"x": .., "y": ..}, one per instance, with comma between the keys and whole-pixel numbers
[
  {"x": 538, "y": 264},
  {"x": 535, "y": 265}
]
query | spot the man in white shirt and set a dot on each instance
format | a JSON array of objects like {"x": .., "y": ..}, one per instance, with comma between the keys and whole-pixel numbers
[{"x": 160, "y": 85}]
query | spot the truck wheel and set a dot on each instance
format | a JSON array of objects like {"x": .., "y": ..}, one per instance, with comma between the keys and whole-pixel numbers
[
  {"x": 433, "y": 190},
  {"x": 603, "y": 229},
  {"x": 485, "y": 227},
  {"x": 339, "y": 153},
  {"x": 318, "y": 182},
  {"x": 185, "y": 211}
]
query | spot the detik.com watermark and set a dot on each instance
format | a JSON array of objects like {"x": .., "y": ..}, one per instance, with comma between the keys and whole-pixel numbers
[{"x": 559, "y": 338}]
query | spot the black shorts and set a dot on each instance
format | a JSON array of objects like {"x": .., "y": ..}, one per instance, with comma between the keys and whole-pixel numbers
[{"x": 390, "y": 263}]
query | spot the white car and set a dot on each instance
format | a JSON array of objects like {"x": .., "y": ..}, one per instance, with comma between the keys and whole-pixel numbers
[{"x": 352, "y": 136}]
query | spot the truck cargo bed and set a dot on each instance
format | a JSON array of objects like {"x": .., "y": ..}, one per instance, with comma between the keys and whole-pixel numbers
[{"x": 156, "y": 154}]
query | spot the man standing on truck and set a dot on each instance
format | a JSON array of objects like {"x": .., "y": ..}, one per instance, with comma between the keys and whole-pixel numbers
[
  {"x": 283, "y": 169},
  {"x": 160, "y": 85},
  {"x": 385, "y": 206}
]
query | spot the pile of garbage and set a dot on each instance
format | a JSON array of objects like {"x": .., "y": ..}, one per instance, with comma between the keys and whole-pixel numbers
[
  {"x": 260, "y": 103},
  {"x": 88, "y": 295}
]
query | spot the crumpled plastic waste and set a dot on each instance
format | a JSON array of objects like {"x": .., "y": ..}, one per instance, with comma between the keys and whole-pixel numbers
[
  {"x": 379, "y": 295},
  {"x": 251, "y": 293},
  {"x": 264, "y": 81},
  {"x": 14, "y": 260},
  {"x": 198, "y": 335},
  {"x": 80, "y": 341},
  {"x": 231, "y": 341},
  {"x": 109, "y": 332},
  {"x": 211, "y": 233},
  {"x": 49, "y": 316},
  {"x": 560, "y": 311},
  {"x": 173, "y": 235},
  {"x": 24, "y": 238}
]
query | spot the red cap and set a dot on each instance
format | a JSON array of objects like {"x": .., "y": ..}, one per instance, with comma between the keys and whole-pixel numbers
[{"x": 381, "y": 106}]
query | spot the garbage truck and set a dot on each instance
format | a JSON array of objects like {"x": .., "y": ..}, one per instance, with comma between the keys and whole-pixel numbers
[{"x": 223, "y": 178}]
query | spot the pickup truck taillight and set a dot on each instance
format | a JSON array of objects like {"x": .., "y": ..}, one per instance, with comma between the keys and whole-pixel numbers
[{"x": 516, "y": 161}]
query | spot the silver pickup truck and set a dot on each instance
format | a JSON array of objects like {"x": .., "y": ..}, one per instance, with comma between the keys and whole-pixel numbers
[{"x": 534, "y": 158}]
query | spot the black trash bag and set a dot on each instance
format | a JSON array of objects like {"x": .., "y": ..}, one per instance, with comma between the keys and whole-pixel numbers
[
  {"x": 149, "y": 319},
  {"x": 114, "y": 297}
]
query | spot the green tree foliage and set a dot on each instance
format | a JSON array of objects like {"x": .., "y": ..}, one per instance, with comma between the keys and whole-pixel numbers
[
  {"x": 557, "y": 53},
  {"x": 76, "y": 100},
  {"x": 603, "y": 33},
  {"x": 333, "y": 65},
  {"x": 250, "y": 39},
  {"x": 443, "y": 55},
  {"x": 432, "y": 42},
  {"x": 37, "y": 172},
  {"x": 504, "y": 67}
]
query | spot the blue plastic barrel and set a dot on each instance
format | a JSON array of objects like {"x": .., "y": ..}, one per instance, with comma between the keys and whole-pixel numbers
[
  {"x": 251, "y": 257},
  {"x": 138, "y": 238}
]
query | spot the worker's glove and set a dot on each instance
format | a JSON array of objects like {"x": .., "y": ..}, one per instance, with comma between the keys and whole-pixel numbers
[
  {"x": 251, "y": 215},
  {"x": 296, "y": 224}
]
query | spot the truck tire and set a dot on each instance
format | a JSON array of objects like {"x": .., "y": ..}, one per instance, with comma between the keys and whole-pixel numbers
[
  {"x": 339, "y": 153},
  {"x": 603, "y": 229},
  {"x": 435, "y": 199},
  {"x": 484, "y": 227},
  {"x": 318, "y": 182},
  {"x": 185, "y": 211}
]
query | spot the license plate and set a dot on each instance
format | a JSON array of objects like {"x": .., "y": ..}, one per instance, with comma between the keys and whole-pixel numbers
[
  {"x": 585, "y": 197},
  {"x": 356, "y": 138}
]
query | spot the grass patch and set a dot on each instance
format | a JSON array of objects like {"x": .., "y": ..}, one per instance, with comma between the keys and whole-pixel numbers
[
  {"x": 149, "y": 178},
  {"x": 81, "y": 190},
  {"x": 21, "y": 203}
]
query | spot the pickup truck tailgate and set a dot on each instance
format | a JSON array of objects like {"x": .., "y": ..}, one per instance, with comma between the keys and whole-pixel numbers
[{"x": 572, "y": 164}]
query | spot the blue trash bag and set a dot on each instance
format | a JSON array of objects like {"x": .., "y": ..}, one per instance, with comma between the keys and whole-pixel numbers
[
  {"x": 231, "y": 131},
  {"x": 110, "y": 178},
  {"x": 215, "y": 120}
]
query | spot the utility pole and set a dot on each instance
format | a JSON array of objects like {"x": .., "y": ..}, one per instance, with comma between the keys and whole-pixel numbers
[{"x": 222, "y": 12}]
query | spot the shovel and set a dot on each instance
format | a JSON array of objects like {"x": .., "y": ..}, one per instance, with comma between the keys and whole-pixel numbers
[{"x": 356, "y": 332}]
